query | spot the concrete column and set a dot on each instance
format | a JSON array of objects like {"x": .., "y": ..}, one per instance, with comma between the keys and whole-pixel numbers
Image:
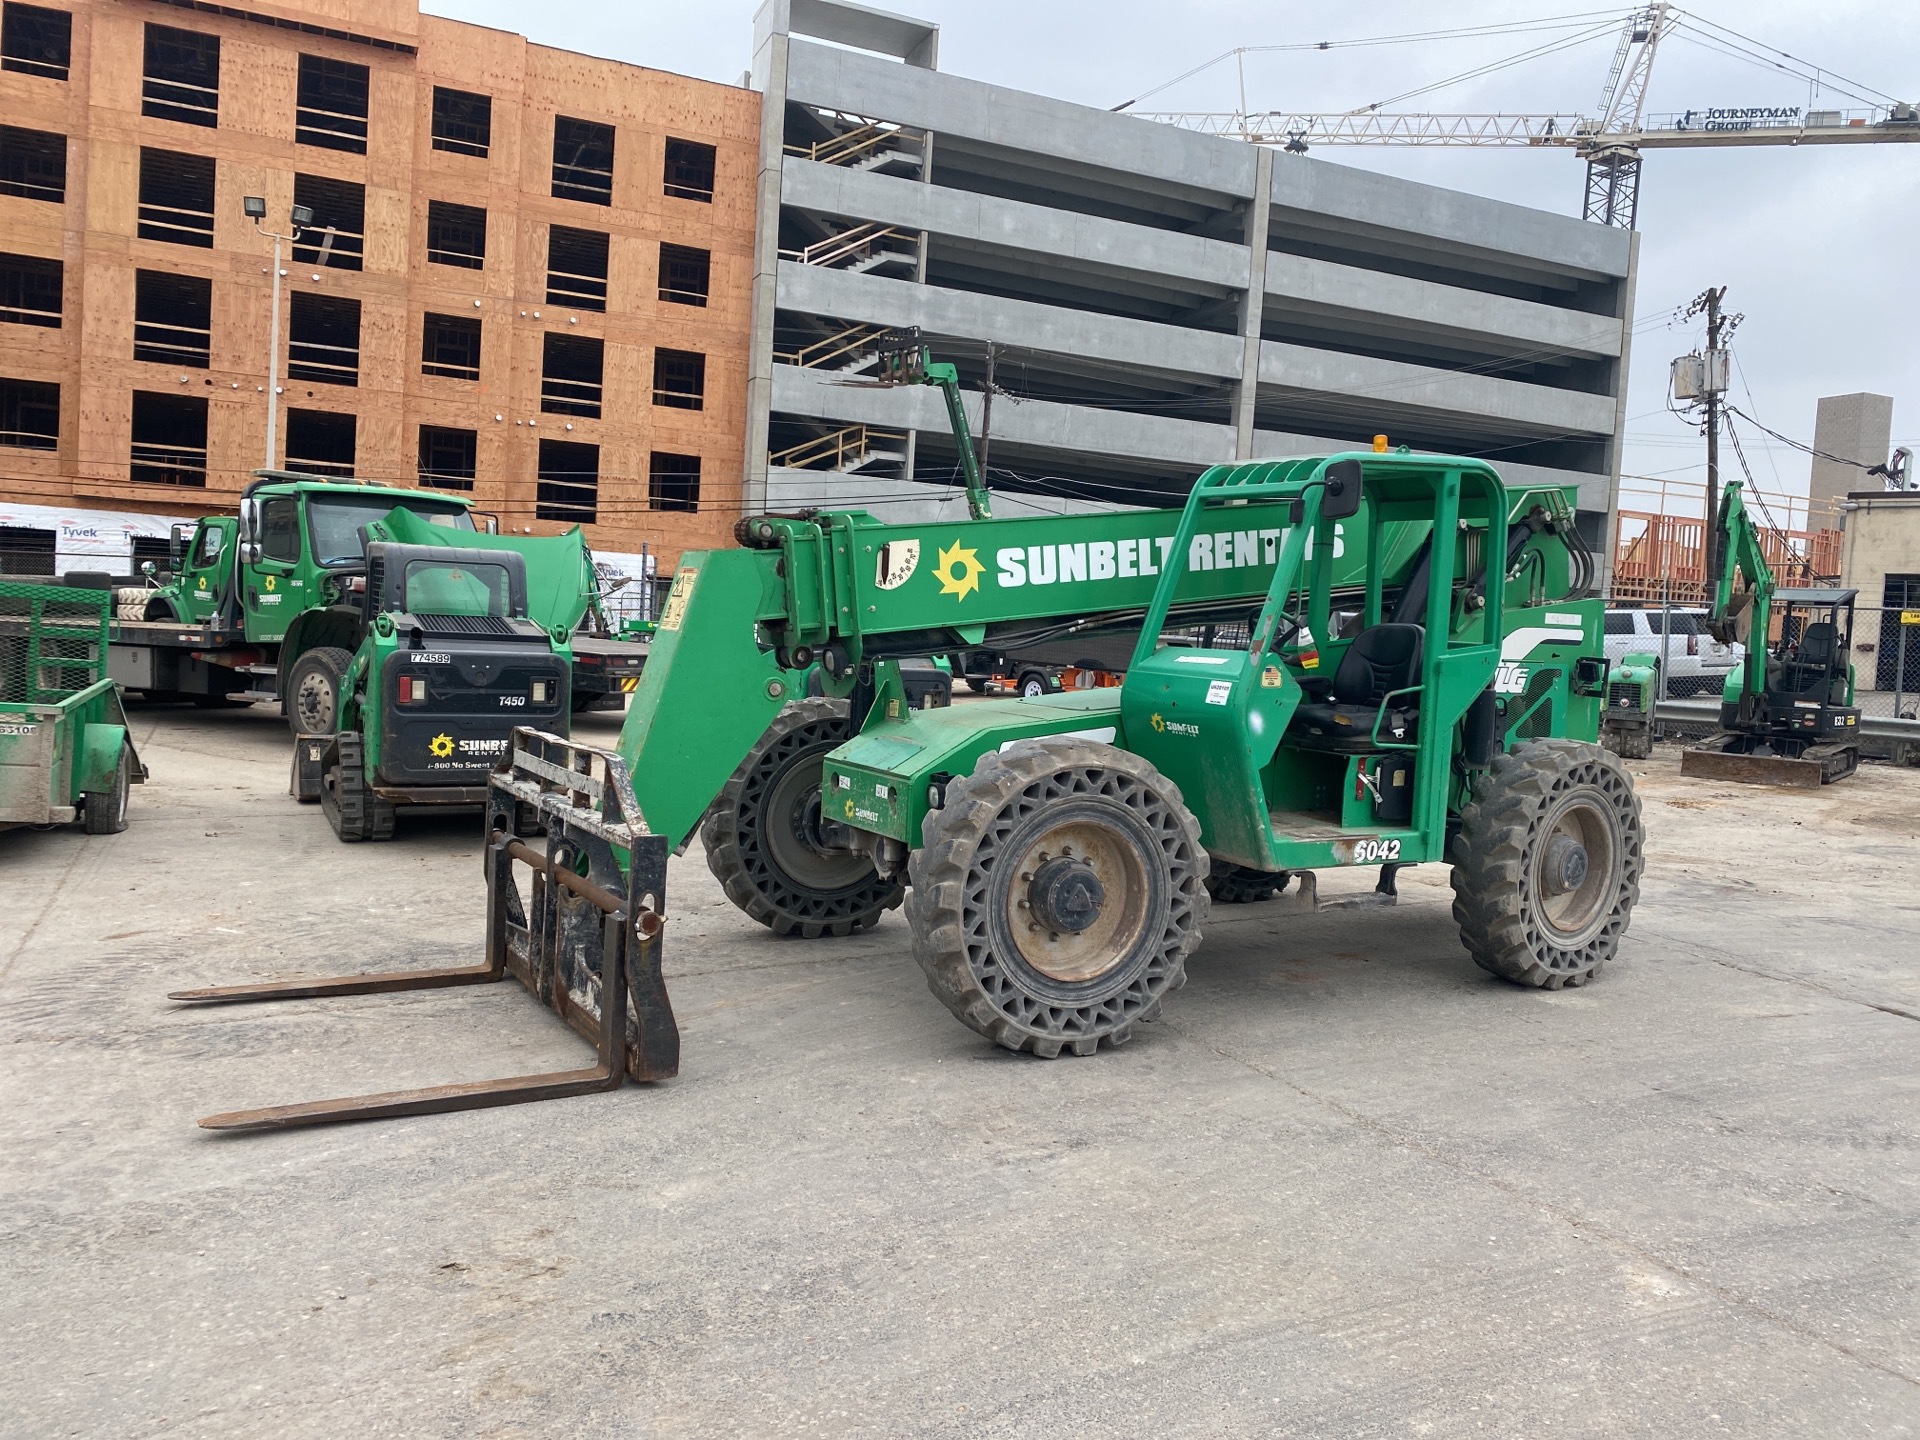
[
  {"x": 770, "y": 75},
  {"x": 1615, "y": 448},
  {"x": 1252, "y": 303},
  {"x": 920, "y": 278}
]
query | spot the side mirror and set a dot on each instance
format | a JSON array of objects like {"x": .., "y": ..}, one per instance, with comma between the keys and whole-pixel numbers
[
  {"x": 1341, "y": 501},
  {"x": 147, "y": 568},
  {"x": 250, "y": 553},
  {"x": 249, "y": 518}
]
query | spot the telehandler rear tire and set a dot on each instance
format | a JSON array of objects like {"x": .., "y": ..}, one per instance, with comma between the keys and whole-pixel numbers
[
  {"x": 1243, "y": 885},
  {"x": 1547, "y": 863},
  {"x": 1057, "y": 896},
  {"x": 765, "y": 836}
]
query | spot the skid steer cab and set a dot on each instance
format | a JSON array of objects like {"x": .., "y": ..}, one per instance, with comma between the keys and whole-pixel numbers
[{"x": 448, "y": 666}]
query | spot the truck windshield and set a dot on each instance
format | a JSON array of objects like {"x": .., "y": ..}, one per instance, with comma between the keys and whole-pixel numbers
[
  {"x": 442, "y": 587},
  {"x": 334, "y": 521}
]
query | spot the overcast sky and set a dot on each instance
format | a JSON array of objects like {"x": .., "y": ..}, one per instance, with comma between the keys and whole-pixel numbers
[{"x": 1816, "y": 246}]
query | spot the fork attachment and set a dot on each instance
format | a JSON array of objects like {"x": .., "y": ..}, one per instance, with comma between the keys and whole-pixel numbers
[{"x": 589, "y": 930}]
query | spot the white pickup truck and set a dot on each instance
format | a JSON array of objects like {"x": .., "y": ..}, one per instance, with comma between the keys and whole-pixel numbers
[{"x": 1693, "y": 662}]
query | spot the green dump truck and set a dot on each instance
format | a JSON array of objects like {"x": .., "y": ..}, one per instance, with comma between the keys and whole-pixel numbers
[
  {"x": 65, "y": 752},
  {"x": 259, "y": 605}
]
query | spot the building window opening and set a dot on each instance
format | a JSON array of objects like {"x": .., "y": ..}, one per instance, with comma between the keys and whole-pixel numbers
[
  {"x": 36, "y": 41},
  {"x": 33, "y": 164},
  {"x": 176, "y": 198},
  {"x": 323, "y": 339},
  {"x": 685, "y": 274},
  {"x": 337, "y": 238},
  {"x": 577, "y": 268},
  {"x": 173, "y": 319},
  {"x": 169, "y": 439},
  {"x": 690, "y": 170},
  {"x": 29, "y": 414},
  {"x": 30, "y": 290},
  {"x": 572, "y": 372},
  {"x": 569, "y": 487},
  {"x": 456, "y": 235},
  {"x": 582, "y": 161},
  {"x": 332, "y": 111},
  {"x": 462, "y": 121},
  {"x": 182, "y": 76},
  {"x": 450, "y": 347},
  {"x": 680, "y": 379},
  {"x": 449, "y": 457},
  {"x": 673, "y": 482},
  {"x": 321, "y": 442},
  {"x": 25, "y": 550}
]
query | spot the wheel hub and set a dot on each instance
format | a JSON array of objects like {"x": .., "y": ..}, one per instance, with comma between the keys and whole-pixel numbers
[
  {"x": 1066, "y": 895},
  {"x": 1564, "y": 868}
]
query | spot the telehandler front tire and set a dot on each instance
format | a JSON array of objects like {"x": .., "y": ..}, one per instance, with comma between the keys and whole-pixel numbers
[
  {"x": 766, "y": 837},
  {"x": 1057, "y": 896},
  {"x": 1547, "y": 863}
]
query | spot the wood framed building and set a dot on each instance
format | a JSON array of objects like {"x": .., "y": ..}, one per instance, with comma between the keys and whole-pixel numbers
[{"x": 527, "y": 276}]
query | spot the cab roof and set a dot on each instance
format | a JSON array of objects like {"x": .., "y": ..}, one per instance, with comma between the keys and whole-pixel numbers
[{"x": 302, "y": 483}]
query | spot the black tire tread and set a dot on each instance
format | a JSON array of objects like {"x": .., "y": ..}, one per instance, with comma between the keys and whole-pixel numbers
[
  {"x": 727, "y": 850},
  {"x": 1490, "y": 863},
  {"x": 331, "y": 660},
  {"x": 353, "y": 810},
  {"x": 939, "y": 873},
  {"x": 106, "y": 813}
]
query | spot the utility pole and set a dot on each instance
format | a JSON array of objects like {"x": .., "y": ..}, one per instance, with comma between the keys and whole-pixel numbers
[{"x": 1702, "y": 378}]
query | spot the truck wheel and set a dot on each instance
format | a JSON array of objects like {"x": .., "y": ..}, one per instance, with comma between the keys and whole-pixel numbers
[
  {"x": 312, "y": 696},
  {"x": 1547, "y": 862},
  {"x": 1034, "y": 684},
  {"x": 1058, "y": 895},
  {"x": 770, "y": 846},
  {"x": 1243, "y": 885},
  {"x": 354, "y": 811},
  {"x": 105, "y": 812}
]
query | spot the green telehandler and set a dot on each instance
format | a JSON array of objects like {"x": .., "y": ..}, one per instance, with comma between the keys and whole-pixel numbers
[{"x": 1057, "y": 856}]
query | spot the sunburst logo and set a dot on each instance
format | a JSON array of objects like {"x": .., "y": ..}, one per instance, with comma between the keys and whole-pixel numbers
[
  {"x": 441, "y": 746},
  {"x": 959, "y": 571},
  {"x": 1158, "y": 722}
]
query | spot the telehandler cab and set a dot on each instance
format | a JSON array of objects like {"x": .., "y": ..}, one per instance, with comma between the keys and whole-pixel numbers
[{"x": 1057, "y": 855}]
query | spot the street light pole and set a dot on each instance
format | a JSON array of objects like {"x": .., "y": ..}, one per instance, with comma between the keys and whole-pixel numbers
[
  {"x": 255, "y": 207},
  {"x": 273, "y": 364}
]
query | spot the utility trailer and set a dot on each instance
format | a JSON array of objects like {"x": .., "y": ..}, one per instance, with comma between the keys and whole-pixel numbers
[
  {"x": 1057, "y": 856},
  {"x": 65, "y": 750}
]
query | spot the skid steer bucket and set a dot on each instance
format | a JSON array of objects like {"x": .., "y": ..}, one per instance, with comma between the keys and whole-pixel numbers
[{"x": 584, "y": 938}]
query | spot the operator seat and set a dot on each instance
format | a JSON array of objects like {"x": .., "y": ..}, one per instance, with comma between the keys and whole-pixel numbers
[
  {"x": 1808, "y": 669},
  {"x": 1381, "y": 659}
]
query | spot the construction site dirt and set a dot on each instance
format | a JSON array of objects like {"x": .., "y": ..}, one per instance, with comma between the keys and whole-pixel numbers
[{"x": 1350, "y": 1184}]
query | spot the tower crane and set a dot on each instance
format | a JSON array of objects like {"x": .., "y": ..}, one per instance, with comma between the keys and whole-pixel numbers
[{"x": 1610, "y": 139}]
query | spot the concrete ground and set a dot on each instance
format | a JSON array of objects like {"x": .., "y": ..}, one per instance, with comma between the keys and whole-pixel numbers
[{"x": 1351, "y": 1186}]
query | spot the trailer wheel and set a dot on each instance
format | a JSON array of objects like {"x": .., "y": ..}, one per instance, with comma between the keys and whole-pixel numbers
[
  {"x": 1243, "y": 885},
  {"x": 354, "y": 811},
  {"x": 1547, "y": 863},
  {"x": 769, "y": 844},
  {"x": 1058, "y": 895},
  {"x": 1034, "y": 684},
  {"x": 105, "y": 812},
  {"x": 312, "y": 703}
]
